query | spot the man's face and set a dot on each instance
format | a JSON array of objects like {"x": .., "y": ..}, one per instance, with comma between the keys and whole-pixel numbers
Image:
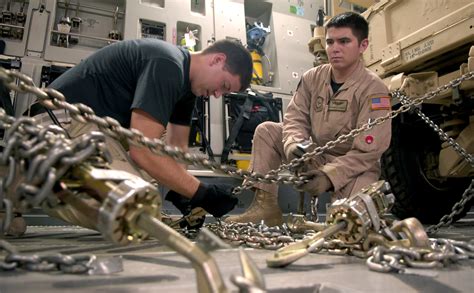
[
  {"x": 214, "y": 79},
  {"x": 343, "y": 48}
]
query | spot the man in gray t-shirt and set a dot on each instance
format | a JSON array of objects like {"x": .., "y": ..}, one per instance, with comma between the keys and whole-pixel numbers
[{"x": 151, "y": 86}]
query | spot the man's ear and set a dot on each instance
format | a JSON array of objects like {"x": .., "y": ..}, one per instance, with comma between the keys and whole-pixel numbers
[
  {"x": 363, "y": 45},
  {"x": 218, "y": 58}
]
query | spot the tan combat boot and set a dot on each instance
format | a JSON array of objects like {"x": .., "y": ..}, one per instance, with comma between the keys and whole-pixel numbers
[{"x": 264, "y": 207}]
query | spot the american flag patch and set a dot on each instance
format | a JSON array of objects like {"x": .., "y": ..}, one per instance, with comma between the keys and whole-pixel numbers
[{"x": 380, "y": 103}]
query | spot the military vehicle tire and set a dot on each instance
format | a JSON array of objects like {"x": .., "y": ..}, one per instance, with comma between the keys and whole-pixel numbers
[{"x": 406, "y": 165}]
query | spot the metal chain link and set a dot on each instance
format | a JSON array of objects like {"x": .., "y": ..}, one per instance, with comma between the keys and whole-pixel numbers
[
  {"x": 47, "y": 154},
  {"x": 77, "y": 264},
  {"x": 272, "y": 238},
  {"x": 469, "y": 192},
  {"x": 36, "y": 157},
  {"x": 54, "y": 100},
  {"x": 379, "y": 258},
  {"x": 442, "y": 134},
  {"x": 258, "y": 236},
  {"x": 296, "y": 163},
  {"x": 399, "y": 259},
  {"x": 457, "y": 208},
  {"x": 254, "y": 235},
  {"x": 80, "y": 112}
]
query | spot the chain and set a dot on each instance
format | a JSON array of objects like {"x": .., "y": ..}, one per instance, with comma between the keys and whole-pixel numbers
[
  {"x": 380, "y": 258},
  {"x": 55, "y": 100},
  {"x": 259, "y": 236},
  {"x": 366, "y": 233},
  {"x": 456, "y": 209},
  {"x": 80, "y": 112},
  {"x": 48, "y": 155},
  {"x": 399, "y": 259},
  {"x": 443, "y": 135},
  {"x": 296, "y": 163},
  {"x": 469, "y": 192},
  {"x": 36, "y": 157},
  {"x": 262, "y": 236},
  {"x": 77, "y": 264},
  {"x": 254, "y": 235}
]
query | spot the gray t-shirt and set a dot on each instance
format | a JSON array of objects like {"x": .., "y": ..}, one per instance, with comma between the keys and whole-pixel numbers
[{"x": 146, "y": 74}]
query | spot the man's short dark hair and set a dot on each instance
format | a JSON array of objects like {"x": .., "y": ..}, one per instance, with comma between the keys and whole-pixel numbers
[
  {"x": 238, "y": 61},
  {"x": 352, "y": 20}
]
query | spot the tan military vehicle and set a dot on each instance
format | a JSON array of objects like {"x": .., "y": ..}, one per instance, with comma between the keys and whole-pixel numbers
[{"x": 416, "y": 47}]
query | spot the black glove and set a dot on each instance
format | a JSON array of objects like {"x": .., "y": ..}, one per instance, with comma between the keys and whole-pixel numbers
[
  {"x": 182, "y": 203},
  {"x": 216, "y": 199}
]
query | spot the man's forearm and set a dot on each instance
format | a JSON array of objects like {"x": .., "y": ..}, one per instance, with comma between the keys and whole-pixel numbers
[{"x": 166, "y": 171}]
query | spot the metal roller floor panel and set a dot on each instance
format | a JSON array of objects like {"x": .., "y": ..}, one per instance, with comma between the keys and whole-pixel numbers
[{"x": 152, "y": 267}]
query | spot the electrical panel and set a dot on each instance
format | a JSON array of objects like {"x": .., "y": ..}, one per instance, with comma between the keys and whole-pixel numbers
[{"x": 151, "y": 29}]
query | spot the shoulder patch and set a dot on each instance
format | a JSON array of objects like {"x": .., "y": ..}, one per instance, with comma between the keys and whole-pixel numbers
[{"x": 380, "y": 103}]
